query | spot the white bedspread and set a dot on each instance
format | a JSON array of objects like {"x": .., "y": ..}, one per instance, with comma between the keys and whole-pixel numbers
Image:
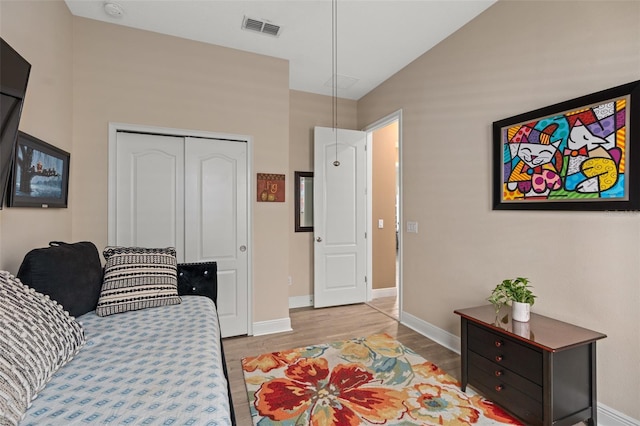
[{"x": 156, "y": 366}]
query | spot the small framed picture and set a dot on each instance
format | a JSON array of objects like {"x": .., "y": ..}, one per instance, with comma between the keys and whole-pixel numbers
[
  {"x": 40, "y": 174},
  {"x": 270, "y": 187}
]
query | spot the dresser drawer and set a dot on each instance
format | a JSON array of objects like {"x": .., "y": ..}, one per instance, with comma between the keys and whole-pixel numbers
[
  {"x": 504, "y": 377},
  {"x": 518, "y": 403},
  {"x": 506, "y": 352}
]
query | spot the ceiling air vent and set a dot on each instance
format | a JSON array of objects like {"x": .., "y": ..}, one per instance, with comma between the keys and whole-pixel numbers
[{"x": 260, "y": 26}]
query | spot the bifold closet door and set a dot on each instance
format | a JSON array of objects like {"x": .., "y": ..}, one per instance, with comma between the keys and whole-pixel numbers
[{"x": 191, "y": 194}]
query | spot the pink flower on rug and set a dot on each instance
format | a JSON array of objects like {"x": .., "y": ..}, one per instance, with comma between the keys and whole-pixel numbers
[
  {"x": 342, "y": 397},
  {"x": 436, "y": 405},
  {"x": 268, "y": 362}
]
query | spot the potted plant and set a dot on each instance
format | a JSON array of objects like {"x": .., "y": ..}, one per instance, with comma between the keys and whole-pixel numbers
[{"x": 516, "y": 291}]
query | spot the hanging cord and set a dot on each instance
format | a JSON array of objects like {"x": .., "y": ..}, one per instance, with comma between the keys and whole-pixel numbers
[{"x": 334, "y": 79}]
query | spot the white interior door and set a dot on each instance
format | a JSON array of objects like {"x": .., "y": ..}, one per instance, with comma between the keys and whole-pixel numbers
[
  {"x": 191, "y": 194},
  {"x": 340, "y": 214},
  {"x": 216, "y": 225}
]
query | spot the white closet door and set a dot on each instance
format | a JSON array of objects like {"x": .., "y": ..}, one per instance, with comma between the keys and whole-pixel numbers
[
  {"x": 150, "y": 191},
  {"x": 216, "y": 222},
  {"x": 191, "y": 194}
]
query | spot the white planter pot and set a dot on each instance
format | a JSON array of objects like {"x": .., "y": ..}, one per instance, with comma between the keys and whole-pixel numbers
[
  {"x": 520, "y": 311},
  {"x": 521, "y": 329}
]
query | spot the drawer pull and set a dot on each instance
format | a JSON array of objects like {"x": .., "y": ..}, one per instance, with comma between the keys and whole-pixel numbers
[
  {"x": 193, "y": 289},
  {"x": 498, "y": 388},
  {"x": 498, "y": 373},
  {"x": 498, "y": 358},
  {"x": 498, "y": 343}
]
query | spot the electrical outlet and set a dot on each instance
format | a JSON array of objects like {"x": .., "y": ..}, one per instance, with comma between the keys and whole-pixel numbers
[
  {"x": 412, "y": 227},
  {"x": 290, "y": 281}
]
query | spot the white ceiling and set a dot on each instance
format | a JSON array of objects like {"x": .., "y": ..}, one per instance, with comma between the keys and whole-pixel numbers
[{"x": 375, "y": 38}]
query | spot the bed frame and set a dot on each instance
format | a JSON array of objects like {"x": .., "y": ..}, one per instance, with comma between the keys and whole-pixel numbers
[{"x": 201, "y": 279}]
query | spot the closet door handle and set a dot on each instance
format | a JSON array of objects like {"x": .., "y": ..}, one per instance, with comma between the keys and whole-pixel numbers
[
  {"x": 243, "y": 248},
  {"x": 319, "y": 239}
]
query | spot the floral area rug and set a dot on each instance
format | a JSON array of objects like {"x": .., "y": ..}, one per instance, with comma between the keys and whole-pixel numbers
[{"x": 364, "y": 381}]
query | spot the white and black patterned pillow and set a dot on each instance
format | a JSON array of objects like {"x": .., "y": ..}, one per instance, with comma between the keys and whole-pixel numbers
[
  {"x": 138, "y": 278},
  {"x": 37, "y": 337}
]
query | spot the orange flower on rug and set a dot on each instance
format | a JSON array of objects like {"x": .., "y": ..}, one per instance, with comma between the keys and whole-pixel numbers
[{"x": 365, "y": 381}]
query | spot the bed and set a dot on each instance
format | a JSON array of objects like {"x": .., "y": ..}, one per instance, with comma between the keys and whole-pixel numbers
[{"x": 157, "y": 365}]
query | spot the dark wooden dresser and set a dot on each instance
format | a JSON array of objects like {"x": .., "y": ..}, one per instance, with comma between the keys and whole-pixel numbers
[{"x": 542, "y": 371}]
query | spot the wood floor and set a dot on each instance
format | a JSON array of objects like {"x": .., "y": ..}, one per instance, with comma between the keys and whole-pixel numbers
[
  {"x": 313, "y": 326},
  {"x": 386, "y": 305}
]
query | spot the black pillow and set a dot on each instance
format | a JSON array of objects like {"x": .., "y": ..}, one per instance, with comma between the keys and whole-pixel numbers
[{"x": 71, "y": 274}]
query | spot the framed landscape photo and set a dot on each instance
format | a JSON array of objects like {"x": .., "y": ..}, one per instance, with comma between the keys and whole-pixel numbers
[
  {"x": 40, "y": 175},
  {"x": 579, "y": 154}
]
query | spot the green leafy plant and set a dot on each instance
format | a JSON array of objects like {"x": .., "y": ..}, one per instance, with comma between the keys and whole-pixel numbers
[{"x": 514, "y": 290}]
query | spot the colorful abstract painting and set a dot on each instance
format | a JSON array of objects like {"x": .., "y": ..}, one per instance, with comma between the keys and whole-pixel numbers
[{"x": 578, "y": 155}]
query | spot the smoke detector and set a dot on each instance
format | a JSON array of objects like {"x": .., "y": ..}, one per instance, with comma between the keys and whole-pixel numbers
[
  {"x": 113, "y": 9},
  {"x": 261, "y": 26}
]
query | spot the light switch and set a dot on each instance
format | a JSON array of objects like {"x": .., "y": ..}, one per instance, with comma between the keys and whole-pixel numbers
[
  {"x": 380, "y": 223},
  {"x": 412, "y": 227}
]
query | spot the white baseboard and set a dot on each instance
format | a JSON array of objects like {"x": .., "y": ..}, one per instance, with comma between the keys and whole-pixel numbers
[
  {"x": 446, "y": 339},
  {"x": 384, "y": 292},
  {"x": 307, "y": 300},
  {"x": 272, "y": 326},
  {"x": 607, "y": 416},
  {"x": 300, "y": 301}
]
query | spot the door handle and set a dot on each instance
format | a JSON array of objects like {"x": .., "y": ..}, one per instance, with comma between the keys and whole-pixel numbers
[
  {"x": 243, "y": 248},
  {"x": 319, "y": 239}
]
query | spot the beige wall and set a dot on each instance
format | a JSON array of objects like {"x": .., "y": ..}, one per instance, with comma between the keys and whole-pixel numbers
[
  {"x": 384, "y": 155},
  {"x": 87, "y": 74},
  {"x": 41, "y": 33},
  {"x": 139, "y": 77},
  {"x": 308, "y": 110},
  {"x": 515, "y": 57}
]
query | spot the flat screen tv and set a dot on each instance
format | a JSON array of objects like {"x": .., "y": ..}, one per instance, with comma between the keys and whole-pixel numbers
[{"x": 14, "y": 75}]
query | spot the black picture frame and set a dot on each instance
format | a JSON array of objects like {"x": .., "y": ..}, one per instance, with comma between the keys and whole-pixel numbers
[
  {"x": 303, "y": 205},
  {"x": 45, "y": 168},
  {"x": 538, "y": 163}
]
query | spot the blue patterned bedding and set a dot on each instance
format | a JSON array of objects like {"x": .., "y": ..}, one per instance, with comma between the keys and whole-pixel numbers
[{"x": 156, "y": 366}]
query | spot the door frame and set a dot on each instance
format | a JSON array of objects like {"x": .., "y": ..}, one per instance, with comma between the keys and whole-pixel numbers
[
  {"x": 369, "y": 129},
  {"x": 114, "y": 128}
]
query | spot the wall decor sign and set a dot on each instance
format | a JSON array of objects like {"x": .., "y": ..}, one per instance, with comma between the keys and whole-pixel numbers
[
  {"x": 575, "y": 155},
  {"x": 40, "y": 175},
  {"x": 270, "y": 187}
]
